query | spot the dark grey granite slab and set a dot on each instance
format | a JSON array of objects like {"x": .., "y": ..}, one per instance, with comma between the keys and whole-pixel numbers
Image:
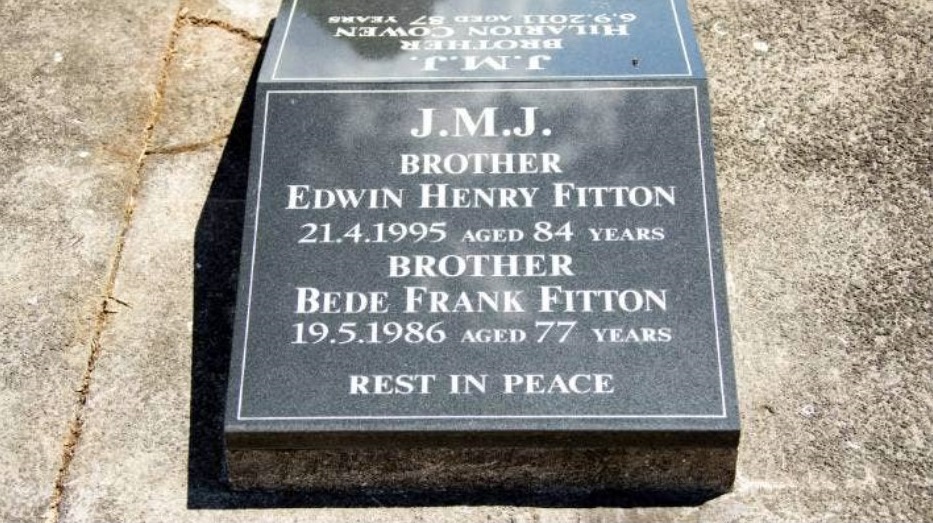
[
  {"x": 443, "y": 40},
  {"x": 452, "y": 269}
]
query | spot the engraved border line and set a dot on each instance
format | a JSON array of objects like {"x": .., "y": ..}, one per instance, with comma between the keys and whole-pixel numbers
[
  {"x": 722, "y": 389},
  {"x": 252, "y": 265},
  {"x": 709, "y": 248},
  {"x": 683, "y": 44},
  {"x": 288, "y": 26}
]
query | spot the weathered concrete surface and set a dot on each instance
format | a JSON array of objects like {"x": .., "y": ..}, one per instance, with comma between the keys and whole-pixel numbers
[
  {"x": 77, "y": 81},
  {"x": 131, "y": 460},
  {"x": 137, "y": 431},
  {"x": 251, "y": 16},
  {"x": 208, "y": 75},
  {"x": 823, "y": 116}
]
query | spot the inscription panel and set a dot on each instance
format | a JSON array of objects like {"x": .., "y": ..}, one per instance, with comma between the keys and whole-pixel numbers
[{"x": 501, "y": 257}]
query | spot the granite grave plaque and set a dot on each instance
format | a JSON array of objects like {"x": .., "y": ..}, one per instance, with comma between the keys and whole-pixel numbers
[{"x": 482, "y": 250}]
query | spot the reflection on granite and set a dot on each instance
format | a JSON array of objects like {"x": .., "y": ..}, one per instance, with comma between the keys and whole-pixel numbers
[{"x": 388, "y": 40}]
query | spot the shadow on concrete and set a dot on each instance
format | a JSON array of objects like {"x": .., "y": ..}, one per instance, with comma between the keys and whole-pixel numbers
[{"x": 217, "y": 254}]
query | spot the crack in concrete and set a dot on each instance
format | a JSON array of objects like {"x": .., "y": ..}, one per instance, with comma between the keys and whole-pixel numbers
[
  {"x": 188, "y": 147},
  {"x": 102, "y": 318},
  {"x": 201, "y": 21}
]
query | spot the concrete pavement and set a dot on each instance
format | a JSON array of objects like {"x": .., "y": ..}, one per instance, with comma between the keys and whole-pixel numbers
[{"x": 123, "y": 176}]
